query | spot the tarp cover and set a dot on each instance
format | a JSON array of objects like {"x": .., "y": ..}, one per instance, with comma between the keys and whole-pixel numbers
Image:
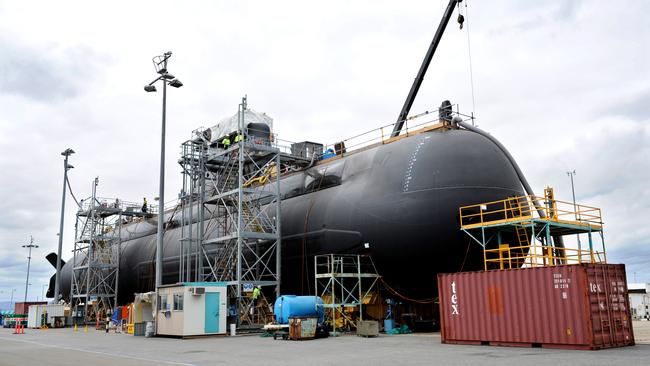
[{"x": 231, "y": 124}]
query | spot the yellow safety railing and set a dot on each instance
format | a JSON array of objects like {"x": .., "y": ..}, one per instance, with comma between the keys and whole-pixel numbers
[
  {"x": 536, "y": 255},
  {"x": 524, "y": 208}
]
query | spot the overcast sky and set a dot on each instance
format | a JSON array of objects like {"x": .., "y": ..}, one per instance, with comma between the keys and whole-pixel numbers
[{"x": 563, "y": 84}]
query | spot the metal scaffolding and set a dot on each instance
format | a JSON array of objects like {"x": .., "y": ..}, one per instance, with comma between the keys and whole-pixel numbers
[
  {"x": 518, "y": 231},
  {"x": 96, "y": 254},
  {"x": 344, "y": 282},
  {"x": 231, "y": 217}
]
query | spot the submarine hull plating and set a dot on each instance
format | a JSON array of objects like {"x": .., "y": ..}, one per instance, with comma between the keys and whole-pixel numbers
[{"x": 400, "y": 198}]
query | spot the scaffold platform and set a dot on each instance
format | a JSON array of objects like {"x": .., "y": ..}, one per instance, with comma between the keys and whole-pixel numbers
[{"x": 526, "y": 231}]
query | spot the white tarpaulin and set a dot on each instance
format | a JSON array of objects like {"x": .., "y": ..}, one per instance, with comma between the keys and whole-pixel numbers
[{"x": 228, "y": 125}]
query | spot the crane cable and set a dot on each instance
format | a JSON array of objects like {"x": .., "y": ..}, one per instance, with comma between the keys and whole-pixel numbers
[
  {"x": 469, "y": 53},
  {"x": 432, "y": 300}
]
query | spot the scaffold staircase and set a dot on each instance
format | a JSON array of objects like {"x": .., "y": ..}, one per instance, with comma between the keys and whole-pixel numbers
[
  {"x": 239, "y": 242},
  {"x": 261, "y": 313},
  {"x": 96, "y": 256}
]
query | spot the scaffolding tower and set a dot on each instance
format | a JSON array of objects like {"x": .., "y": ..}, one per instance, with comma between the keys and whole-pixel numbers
[
  {"x": 96, "y": 254},
  {"x": 230, "y": 206},
  {"x": 344, "y": 282}
]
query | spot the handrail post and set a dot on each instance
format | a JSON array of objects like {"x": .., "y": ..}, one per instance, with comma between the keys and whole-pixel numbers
[
  {"x": 484, "y": 259},
  {"x": 500, "y": 258}
]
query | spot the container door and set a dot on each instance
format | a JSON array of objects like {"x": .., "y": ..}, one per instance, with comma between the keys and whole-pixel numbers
[
  {"x": 212, "y": 312},
  {"x": 610, "y": 308}
]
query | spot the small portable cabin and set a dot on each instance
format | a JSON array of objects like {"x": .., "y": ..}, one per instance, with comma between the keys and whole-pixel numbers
[{"x": 191, "y": 309}]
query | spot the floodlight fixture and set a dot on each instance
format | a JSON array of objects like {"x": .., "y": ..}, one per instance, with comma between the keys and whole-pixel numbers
[
  {"x": 167, "y": 76},
  {"x": 175, "y": 83},
  {"x": 150, "y": 88},
  {"x": 67, "y": 152}
]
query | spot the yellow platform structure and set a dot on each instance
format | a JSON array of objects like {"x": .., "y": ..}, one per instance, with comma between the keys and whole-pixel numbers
[{"x": 527, "y": 230}]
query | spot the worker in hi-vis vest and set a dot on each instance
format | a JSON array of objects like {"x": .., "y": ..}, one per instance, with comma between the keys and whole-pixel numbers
[
  {"x": 256, "y": 294},
  {"x": 239, "y": 137},
  {"x": 226, "y": 142}
]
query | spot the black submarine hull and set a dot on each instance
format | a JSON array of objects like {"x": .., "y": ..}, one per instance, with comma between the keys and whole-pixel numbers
[{"x": 399, "y": 198}]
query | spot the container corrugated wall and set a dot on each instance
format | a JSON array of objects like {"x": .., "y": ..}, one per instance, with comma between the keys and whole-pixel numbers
[
  {"x": 581, "y": 306},
  {"x": 34, "y": 316},
  {"x": 53, "y": 310}
]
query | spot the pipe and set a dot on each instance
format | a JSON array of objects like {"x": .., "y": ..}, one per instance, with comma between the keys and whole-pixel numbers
[{"x": 559, "y": 242}]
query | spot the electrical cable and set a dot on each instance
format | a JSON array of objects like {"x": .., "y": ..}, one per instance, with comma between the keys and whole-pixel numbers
[
  {"x": 67, "y": 181},
  {"x": 403, "y": 297},
  {"x": 469, "y": 243}
]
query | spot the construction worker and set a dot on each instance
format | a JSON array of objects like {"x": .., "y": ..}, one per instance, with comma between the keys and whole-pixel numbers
[
  {"x": 239, "y": 137},
  {"x": 257, "y": 291},
  {"x": 226, "y": 142},
  {"x": 144, "y": 205},
  {"x": 108, "y": 321}
]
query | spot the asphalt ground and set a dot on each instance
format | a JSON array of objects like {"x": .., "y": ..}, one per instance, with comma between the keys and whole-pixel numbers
[{"x": 96, "y": 348}]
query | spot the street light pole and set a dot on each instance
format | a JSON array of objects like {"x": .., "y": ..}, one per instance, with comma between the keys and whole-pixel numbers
[
  {"x": 160, "y": 62},
  {"x": 573, "y": 193},
  {"x": 12, "y": 296},
  {"x": 29, "y": 260},
  {"x": 57, "y": 280},
  {"x": 161, "y": 193}
]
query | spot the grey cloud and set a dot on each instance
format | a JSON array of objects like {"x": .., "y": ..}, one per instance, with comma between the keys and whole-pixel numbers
[
  {"x": 567, "y": 9},
  {"x": 45, "y": 75},
  {"x": 635, "y": 258},
  {"x": 638, "y": 108},
  {"x": 542, "y": 14}
]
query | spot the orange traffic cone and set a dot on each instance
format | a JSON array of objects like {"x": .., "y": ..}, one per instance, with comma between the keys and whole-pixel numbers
[
  {"x": 16, "y": 328},
  {"x": 22, "y": 329}
]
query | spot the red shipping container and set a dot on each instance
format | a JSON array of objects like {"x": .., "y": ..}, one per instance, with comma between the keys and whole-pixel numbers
[
  {"x": 582, "y": 306},
  {"x": 23, "y": 307}
]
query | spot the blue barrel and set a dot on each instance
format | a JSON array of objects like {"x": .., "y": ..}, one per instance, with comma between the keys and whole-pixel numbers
[
  {"x": 287, "y": 306},
  {"x": 388, "y": 325}
]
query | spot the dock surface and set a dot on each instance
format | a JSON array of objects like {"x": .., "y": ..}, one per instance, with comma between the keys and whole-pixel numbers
[{"x": 67, "y": 347}]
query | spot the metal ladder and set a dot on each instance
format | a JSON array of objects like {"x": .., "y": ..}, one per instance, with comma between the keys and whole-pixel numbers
[{"x": 515, "y": 211}]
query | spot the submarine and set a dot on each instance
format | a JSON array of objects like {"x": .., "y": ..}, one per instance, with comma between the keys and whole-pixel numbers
[{"x": 396, "y": 200}]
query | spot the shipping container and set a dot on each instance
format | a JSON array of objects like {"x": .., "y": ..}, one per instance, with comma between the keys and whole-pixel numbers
[
  {"x": 23, "y": 307},
  {"x": 582, "y": 306},
  {"x": 55, "y": 312},
  {"x": 35, "y": 316}
]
